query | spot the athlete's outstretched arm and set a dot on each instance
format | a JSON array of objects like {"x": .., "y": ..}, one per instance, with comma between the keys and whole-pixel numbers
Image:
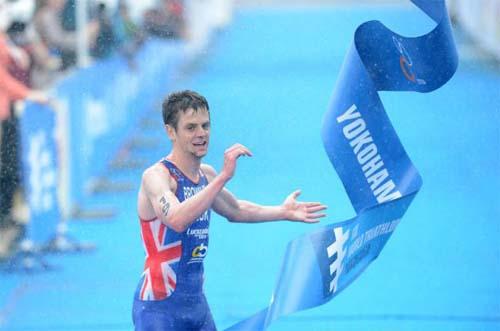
[
  {"x": 235, "y": 210},
  {"x": 156, "y": 191}
]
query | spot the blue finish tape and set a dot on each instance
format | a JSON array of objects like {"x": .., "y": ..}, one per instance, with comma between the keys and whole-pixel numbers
[{"x": 364, "y": 149}]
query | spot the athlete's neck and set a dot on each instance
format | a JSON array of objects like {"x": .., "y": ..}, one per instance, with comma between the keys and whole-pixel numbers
[{"x": 188, "y": 164}]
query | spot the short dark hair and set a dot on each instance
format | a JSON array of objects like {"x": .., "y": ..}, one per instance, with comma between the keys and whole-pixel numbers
[{"x": 181, "y": 101}]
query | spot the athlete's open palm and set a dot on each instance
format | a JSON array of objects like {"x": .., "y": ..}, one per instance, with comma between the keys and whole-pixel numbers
[{"x": 307, "y": 212}]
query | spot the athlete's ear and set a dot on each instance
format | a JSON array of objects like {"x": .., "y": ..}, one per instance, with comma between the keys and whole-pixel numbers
[{"x": 170, "y": 131}]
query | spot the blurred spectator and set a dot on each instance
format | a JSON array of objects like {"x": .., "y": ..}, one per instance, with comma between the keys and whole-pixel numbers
[
  {"x": 13, "y": 60},
  {"x": 166, "y": 20},
  {"x": 44, "y": 66},
  {"x": 47, "y": 20},
  {"x": 105, "y": 40},
  {"x": 128, "y": 36}
]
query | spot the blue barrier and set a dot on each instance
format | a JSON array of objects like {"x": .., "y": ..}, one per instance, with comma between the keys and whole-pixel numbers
[
  {"x": 40, "y": 171},
  {"x": 103, "y": 104},
  {"x": 364, "y": 149}
]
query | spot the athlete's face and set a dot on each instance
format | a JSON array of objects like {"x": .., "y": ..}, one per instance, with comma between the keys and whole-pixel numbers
[{"x": 193, "y": 132}]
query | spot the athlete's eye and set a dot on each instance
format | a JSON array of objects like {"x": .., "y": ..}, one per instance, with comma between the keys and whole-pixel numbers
[{"x": 206, "y": 126}]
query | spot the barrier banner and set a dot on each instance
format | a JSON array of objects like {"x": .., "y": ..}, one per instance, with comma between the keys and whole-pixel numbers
[
  {"x": 40, "y": 171},
  {"x": 373, "y": 166}
]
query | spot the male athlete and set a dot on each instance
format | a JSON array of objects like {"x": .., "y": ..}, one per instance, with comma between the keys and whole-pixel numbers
[{"x": 174, "y": 203}]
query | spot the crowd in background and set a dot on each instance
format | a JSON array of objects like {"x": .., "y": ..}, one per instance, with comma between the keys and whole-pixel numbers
[{"x": 37, "y": 51}]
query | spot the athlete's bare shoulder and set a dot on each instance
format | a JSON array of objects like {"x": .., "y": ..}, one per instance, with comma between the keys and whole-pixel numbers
[
  {"x": 208, "y": 170},
  {"x": 156, "y": 169},
  {"x": 157, "y": 174}
]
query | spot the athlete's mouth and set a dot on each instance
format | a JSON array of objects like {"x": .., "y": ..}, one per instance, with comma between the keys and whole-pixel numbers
[{"x": 204, "y": 143}]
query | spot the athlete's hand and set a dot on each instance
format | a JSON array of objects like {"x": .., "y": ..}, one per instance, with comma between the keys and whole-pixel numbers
[
  {"x": 307, "y": 212},
  {"x": 230, "y": 156}
]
